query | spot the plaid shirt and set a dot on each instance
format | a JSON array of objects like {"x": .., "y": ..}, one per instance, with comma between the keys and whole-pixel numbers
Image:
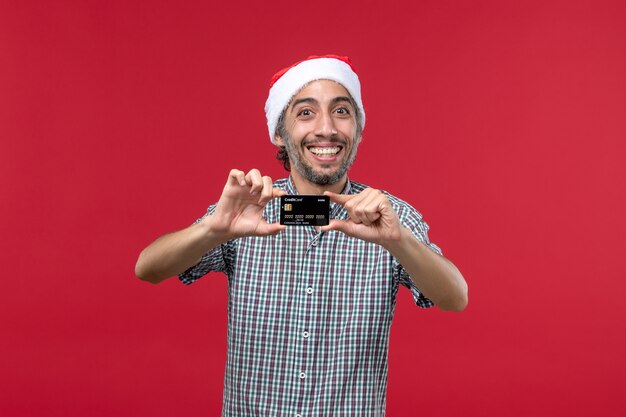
[{"x": 309, "y": 315}]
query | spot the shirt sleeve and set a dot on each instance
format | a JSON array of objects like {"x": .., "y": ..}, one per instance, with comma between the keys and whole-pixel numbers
[
  {"x": 418, "y": 227},
  {"x": 212, "y": 261}
]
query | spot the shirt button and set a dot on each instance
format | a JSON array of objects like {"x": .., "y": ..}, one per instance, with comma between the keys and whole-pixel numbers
[
  {"x": 302, "y": 375},
  {"x": 305, "y": 334},
  {"x": 314, "y": 243},
  {"x": 309, "y": 290},
  {"x": 298, "y": 415}
]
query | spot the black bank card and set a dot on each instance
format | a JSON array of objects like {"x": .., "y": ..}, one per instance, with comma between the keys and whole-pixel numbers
[{"x": 304, "y": 210}]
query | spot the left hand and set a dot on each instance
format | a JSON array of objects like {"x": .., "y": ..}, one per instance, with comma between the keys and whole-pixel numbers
[{"x": 371, "y": 217}]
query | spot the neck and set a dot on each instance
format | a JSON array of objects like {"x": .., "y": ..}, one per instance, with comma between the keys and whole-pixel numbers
[{"x": 306, "y": 187}]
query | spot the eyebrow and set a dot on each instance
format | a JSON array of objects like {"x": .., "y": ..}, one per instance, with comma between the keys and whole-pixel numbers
[{"x": 311, "y": 100}]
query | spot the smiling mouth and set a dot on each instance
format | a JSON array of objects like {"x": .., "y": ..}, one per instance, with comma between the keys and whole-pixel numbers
[{"x": 325, "y": 151}]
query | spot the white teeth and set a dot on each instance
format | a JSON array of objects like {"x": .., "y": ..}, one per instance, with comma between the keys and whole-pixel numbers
[{"x": 325, "y": 151}]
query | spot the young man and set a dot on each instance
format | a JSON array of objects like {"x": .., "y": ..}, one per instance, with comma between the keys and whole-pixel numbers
[{"x": 310, "y": 308}]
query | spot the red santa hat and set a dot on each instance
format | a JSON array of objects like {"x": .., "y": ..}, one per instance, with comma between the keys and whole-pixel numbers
[{"x": 287, "y": 82}]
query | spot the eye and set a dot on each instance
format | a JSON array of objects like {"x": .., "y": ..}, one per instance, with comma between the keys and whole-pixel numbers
[
  {"x": 305, "y": 112},
  {"x": 343, "y": 111}
]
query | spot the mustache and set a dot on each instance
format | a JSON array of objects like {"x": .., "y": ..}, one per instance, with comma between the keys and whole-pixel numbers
[{"x": 332, "y": 139}]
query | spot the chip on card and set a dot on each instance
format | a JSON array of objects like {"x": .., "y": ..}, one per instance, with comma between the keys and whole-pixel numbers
[{"x": 304, "y": 210}]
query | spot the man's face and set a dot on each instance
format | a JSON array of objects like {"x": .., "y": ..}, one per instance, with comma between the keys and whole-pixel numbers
[{"x": 320, "y": 133}]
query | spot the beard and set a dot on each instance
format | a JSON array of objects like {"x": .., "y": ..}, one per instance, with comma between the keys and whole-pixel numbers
[{"x": 298, "y": 163}]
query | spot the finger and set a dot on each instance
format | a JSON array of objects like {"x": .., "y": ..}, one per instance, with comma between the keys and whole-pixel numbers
[
  {"x": 255, "y": 181},
  {"x": 267, "y": 192},
  {"x": 268, "y": 229},
  {"x": 372, "y": 217},
  {"x": 236, "y": 177},
  {"x": 365, "y": 217},
  {"x": 348, "y": 201},
  {"x": 369, "y": 207},
  {"x": 344, "y": 226},
  {"x": 356, "y": 208},
  {"x": 366, "y": 207},
  {"x": 339, "y": 198},
  {"x": 277, "y": 192}
]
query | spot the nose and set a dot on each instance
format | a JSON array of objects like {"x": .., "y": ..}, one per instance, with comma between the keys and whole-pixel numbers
[{"x": 325, "y": 125}]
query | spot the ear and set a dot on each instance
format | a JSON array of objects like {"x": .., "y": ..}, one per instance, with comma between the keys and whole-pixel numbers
[{"x": 278, "y": 140}]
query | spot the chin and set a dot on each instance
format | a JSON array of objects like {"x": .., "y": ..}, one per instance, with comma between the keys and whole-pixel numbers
[{"x": 324, "y": 178}]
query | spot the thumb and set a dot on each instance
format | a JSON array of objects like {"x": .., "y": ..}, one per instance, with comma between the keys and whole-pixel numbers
[
  {"x": 268, "y": 229},
  {"x": 339, "y": 225}
]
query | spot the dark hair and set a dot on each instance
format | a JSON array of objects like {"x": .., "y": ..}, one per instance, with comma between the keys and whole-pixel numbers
[{"x": 281, "y": 154}]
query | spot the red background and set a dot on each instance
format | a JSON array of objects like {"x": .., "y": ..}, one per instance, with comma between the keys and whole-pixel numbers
[{"x": 502, "y": 122}]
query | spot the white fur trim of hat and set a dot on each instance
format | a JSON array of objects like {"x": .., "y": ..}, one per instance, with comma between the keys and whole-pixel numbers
[{"x": 289, "y": 81}]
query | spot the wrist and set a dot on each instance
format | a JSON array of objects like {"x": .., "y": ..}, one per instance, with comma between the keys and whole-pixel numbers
[
  {"x": 398, "y": 242},
  {"x": 212, "y": 233}
]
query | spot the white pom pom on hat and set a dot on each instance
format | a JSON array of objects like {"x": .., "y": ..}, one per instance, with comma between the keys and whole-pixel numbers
[{"x": 287, "y": 82}]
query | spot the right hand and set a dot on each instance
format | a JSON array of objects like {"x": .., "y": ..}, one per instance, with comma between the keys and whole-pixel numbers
[{"x": 239, "y": 211}]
